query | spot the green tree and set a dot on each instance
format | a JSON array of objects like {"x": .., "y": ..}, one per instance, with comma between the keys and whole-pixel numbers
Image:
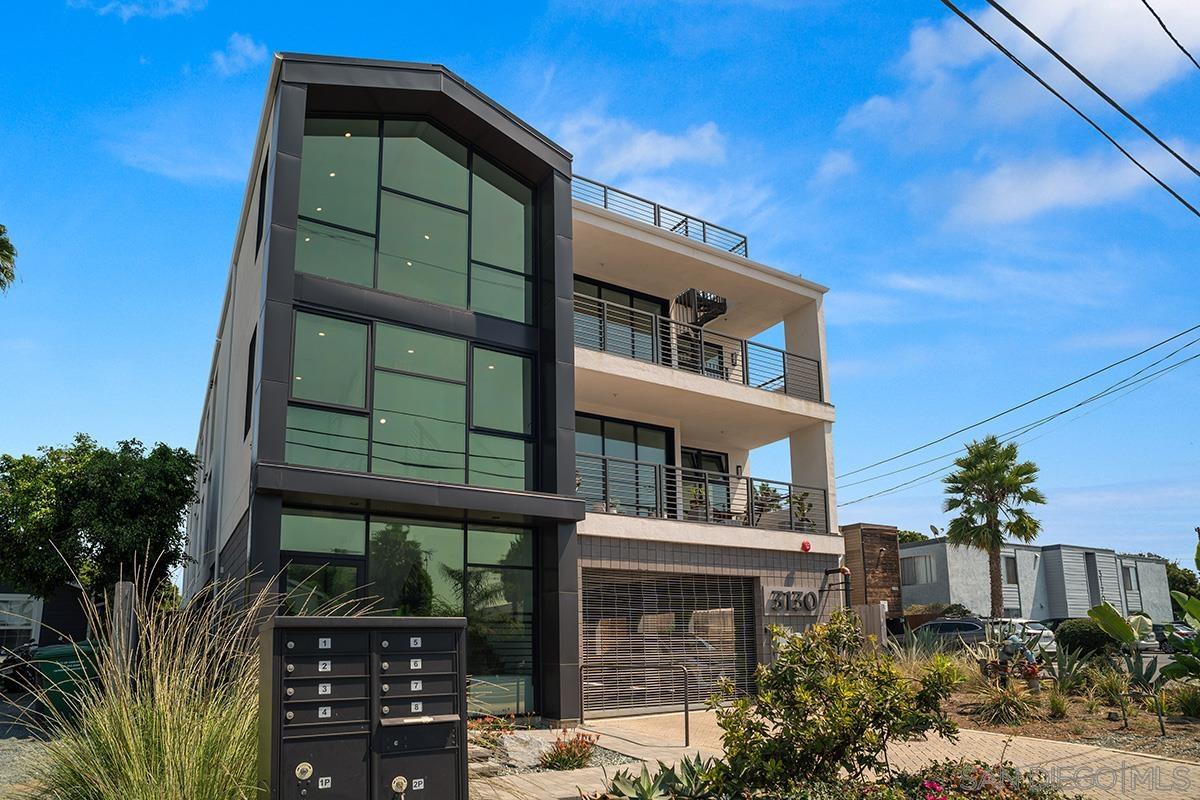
[
  {"x": 1183, "y": 580},
  {"x": 94, "y": 513},
  {"x": 905, "y": 537},
  {"x": 8, "y": 261},
  {"x": 403, "y": 579},
  {"x": 990, "y": 490}
]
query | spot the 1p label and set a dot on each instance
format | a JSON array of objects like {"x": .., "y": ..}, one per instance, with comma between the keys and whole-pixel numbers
[{"x": 324, "y": 783}]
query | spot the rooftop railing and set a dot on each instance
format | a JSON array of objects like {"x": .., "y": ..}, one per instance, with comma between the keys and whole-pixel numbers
[
  {"x": 615, "y": 485},
  {"x": 643, "y": 210},
  {"x": 614, "y": 328}
]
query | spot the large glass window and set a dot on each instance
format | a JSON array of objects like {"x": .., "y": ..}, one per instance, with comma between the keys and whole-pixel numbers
[
  {"x": 631, "y": 479},
  {"x": 329, "y": 363},
  {"x": 419, "y": 428},
  {"x": 415, "y": 567},
  {"x": 502, "y": 389},
  {"x": 328, "y": 439},
  {"x": 435, "y": 221}
]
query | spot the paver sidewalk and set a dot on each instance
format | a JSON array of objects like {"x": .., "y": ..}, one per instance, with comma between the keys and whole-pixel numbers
[{"x": 1094, "y": 772}]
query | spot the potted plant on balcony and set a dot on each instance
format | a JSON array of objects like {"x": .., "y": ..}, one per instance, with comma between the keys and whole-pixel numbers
[{"x": 697, "y": 499}]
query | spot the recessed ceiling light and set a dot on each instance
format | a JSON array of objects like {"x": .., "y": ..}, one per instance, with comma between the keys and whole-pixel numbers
[
  {"x": 333, "y": 174},
  {"x": 299, "y": 378},
  {"x": 320, "y": 333},
  {"x": 308, "y": 238},
  {"x": 491, "y": 366},
  {"x": 383, "y": 420},
  {"x": 427, "y": 236},
  {"x": 410, "y": 352},
  {"x": 347, "y": 134},
  {"x": 408, "y": 263},
  {"x": 318, "y": 208}
]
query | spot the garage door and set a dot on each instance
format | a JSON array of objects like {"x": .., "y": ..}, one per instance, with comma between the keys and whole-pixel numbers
[{"x": 639, "y": 628}]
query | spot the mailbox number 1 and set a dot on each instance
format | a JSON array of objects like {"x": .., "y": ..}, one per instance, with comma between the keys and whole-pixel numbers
[{"x": 324, "y": 643}]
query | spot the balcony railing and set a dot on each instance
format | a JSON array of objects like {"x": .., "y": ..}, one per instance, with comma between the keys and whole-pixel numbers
[
  {"x": 643, "y": 210},
  {"x": 614, "y": 328},
  {"x": 644, "y": 489}
]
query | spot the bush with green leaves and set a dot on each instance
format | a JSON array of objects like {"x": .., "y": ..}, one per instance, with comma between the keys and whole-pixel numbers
[
  {"x": 829, "y": 704},
  {"x": 1184, "y": 699},
  {"x": 1083, "y": 636},
  {"x": 1005, "y": 705},
  {"x": 1108, "y": 685},
  {"x": 1057, "y": 704}
]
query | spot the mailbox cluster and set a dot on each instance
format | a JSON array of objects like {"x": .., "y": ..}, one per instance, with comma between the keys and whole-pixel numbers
[{"x": 363, "y": 708}]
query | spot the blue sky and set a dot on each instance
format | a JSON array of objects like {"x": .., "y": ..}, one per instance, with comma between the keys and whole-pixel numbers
[{"x": 982, "y": 245}]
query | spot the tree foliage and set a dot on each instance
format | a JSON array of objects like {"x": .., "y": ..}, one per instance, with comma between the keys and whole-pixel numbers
[
  {"x": 8, "y": 261},
  {"x": 829, "y": 702},
  {"x": 990, "y": 489},
  {"x": 92, "y": 513},
  {"x": 906, "y": 537}
]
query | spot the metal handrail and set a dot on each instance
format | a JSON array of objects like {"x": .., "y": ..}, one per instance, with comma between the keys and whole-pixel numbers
[
  {"x": 631, "y": 487},
  {"x": 631, "y": 205},
  {"x": 615, "y": 328}
]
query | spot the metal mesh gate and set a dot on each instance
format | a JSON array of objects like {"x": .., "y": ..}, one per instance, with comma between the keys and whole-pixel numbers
[{"x": 639, "y": 628}]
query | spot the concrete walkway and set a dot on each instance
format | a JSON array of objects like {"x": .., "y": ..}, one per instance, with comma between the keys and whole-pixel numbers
[{"x": 1094, "y": 772}]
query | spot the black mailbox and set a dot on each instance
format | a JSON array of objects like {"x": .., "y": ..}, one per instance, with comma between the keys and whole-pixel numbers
[{"x": 363, "y": 708}]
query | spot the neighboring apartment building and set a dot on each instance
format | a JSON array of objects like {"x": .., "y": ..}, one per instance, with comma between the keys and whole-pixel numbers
[
  {"x": 873, "y": 558},
  {"x": 1054, "y": 581},
  {"x": 55, "y": 619},
  {"x": 452, "y": 375}
]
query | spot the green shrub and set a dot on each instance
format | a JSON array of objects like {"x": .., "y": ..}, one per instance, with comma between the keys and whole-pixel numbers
[
  {"x": 1184, "y": 699},
  {"x": 181, "y": 721},
  {"x": 1084, "y": 636},
  {"x": 487, "y": 731},
  {"x": 1056, "y": 704},
  {"x": 1109, "y": 686},
  {"x": 828, "y": 703},
  {"x": 1005, "y": 705},
  {"x": 569, "y": 751}
]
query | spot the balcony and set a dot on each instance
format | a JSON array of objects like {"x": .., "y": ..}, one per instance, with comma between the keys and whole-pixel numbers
[
  {"x": 613, "y": 485},
  {"x": 651, "y": 213},
  {"x": 613, "y": 328}
]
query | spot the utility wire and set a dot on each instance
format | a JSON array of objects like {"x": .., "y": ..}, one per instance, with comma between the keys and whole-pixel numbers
[
  {"x": 1019, "y": 406},
  {"x": 1025, "y": 428},
  {"x": 1167, "y": 31},
  {"x": 1091, "y": 85},
  {"x": 1070, "y": 105},
  {"x": 1139, "y": 383}
]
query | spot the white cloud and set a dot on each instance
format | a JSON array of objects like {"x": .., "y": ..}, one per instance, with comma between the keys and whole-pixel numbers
[
  {"x": 951, "y": 74},
  {"x": 153, "y": 9},
  {"x": 241, "y": 52},
  {"x": 612, "y": 148},
  {"x": 1085, "y": 286},
  {"x": 834, "y": 165},
  {"x": 1119, "y": 339}
]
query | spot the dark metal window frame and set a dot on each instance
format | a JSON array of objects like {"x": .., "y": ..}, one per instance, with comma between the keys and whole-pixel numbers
[
  {"x": 601, "y": 418},
  {"x": 662, "y": 302},
  {"x": 363, "y": 564},
  {"x": 370, "y": 366},
  {"x": 530, "y": 278}
]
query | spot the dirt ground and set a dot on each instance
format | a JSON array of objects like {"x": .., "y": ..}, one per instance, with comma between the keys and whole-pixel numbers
[{"x": 1093, "y": 727}]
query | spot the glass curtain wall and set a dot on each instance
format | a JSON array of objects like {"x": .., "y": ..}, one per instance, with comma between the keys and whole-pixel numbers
[
  {"x": 432, "y": 407},
  {"x": 427, "y": 568},
  {"x": 401, "y": 206}
]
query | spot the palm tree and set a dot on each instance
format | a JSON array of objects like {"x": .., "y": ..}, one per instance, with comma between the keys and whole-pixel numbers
[
  {"x": 990, "y": 489},
  {"x": 8, "y": 261}
]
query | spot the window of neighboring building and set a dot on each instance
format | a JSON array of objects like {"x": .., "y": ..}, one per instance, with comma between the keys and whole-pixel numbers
[
  {"x": 249, "y": 409},
  {"x": 1010, "y": 570},
  {"x": 19, "y": 619},
  {"x": 452, "y": 227},
  {"x": 428, "y": 568},
  {"x": 1129, "y": 578},
  {"x": 432, "y": 417},
  {"x": 916, "y": 570}
]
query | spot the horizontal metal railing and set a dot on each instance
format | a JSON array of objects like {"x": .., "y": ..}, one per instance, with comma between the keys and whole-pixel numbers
[
  {"x": 645, "y": 489},
  {"x": 614, "y": 328},
  {"x": 643, "y": 210}
]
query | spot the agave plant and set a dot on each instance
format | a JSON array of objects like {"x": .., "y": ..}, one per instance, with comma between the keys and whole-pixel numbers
[
  {"x": 693, "y": 778},
  {"x": 1066, "y": 667},
  {"x": 625, "y": 786}
]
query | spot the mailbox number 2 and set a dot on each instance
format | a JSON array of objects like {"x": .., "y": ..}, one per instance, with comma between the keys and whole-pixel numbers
[{"x": 324, "y": 666}]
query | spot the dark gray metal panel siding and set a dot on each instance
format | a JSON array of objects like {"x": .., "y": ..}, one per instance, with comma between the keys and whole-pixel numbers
[{"x": 234, "y": 555}]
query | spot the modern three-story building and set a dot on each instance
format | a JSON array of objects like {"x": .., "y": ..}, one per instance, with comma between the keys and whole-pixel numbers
[{"x": 453, "y": 376}]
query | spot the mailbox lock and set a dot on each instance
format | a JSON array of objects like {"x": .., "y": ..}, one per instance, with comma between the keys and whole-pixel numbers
[
  {"x": 385, "y": 665},
  {"x": 399, "y": 784},
  {"x": 384, "y": 642},
  {"x": 290, "y": 691},
  {"x": 291, "y": 645},
  {"x": 304, "y": 771},
  {"x": 387, "y": 710},
  {"x": 291, "y": 715},
  {"x": 386, "y": 688},
  {"x": 291, "y": 667}
]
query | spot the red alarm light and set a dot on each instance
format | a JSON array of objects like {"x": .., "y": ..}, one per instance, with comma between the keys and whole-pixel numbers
[{"x": 806, "y": 545}]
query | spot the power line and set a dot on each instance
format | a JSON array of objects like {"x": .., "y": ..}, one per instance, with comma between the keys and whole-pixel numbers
[
  {"x": 1167, "y": 31},
  {"x": 1091, "y": 85},
  {"x": 1011, "y": 57},
  {"x": 1037, "y": 423},
  {"x": 1019, "y": 406},
  {"x": 1138, "y": 384}
]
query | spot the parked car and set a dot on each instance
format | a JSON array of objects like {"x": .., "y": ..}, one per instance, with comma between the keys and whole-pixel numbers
[
  {"x": 1159, "y": 637},
  {"x": 955, "y": 632}
]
